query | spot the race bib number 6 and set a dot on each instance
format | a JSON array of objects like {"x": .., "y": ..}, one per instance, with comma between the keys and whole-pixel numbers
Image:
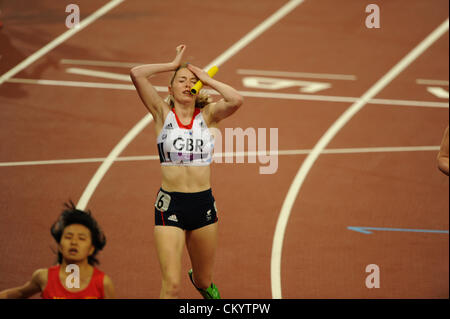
[{"x": 162, "y": 201}]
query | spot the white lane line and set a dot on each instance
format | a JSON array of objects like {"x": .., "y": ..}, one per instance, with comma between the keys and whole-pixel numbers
[
  {"x": 380, "y": 149},
  {"x": 60, "y": 39},
  {"x": 218, "y": 61},
  {"x": 298, "y": 74},
  {"x": 254, "y": 94},
  {"x": 256, "y": 32},
  {"x": 431, "y": 82},
  {"x": 438, "y": 92},
  {"x": 115, "y": 86},
  {"x": 233, "y": 154},
  {"x": 127, "y": 65},
  {"x": 294, "y": 189},
  {"x": 100, "y": 74},
  {"x": 341, "y": 99},
  {"x": 409, "y": 103},
  {"x": 54, "y": 162}
]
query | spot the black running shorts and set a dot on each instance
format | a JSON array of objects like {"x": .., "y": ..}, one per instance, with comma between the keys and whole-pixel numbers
[{"x": 187, "y": 211}]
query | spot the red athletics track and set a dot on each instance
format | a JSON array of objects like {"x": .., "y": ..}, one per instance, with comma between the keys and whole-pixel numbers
[{"x": 321, "y": 258}]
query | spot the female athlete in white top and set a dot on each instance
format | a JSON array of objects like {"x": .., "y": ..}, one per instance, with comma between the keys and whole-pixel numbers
[{"x": 185, "y": 211}]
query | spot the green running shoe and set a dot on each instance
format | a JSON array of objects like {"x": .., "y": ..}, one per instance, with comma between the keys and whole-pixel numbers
[{"x": 210, "y": 293}]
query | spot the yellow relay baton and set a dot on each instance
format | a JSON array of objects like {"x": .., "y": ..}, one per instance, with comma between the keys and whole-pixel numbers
[{"x": 198, "y": 86}]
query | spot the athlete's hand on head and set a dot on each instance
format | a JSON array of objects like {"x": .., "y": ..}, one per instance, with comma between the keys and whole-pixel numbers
[
  {"x": 201, "y": 74},
  {"x": 178, "y": 58}
]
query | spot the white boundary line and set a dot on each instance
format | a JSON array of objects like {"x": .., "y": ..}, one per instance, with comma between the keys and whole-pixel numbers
[
  {"x": 254, "y": 94},
  {"x": 431, "y": 82},
  {"x": 218, "y": 61},
  {"x": 294, "y": 189},
  {"x": 63, "y": 37},
  {"x": 127, "y": 65},
  {"x": 101, "y": 74},
  {"x": 342, "y": 99},
  {"x": 115, "y": 86},
  {"x": 233, "y": 154},
  {"x": 298, "y": 74}
]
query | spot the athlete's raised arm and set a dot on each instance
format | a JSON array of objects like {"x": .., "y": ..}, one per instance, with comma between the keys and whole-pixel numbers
[
  {"x": 149, "y": 96},
  {"x": 223, "y": 108}
]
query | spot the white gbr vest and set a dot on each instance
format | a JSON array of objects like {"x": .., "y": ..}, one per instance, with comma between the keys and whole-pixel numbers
[{"x": 185, "y": 145}]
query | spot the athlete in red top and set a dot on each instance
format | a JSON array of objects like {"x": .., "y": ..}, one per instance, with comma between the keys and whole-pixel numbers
[
  {"x": 55, "y": 289},
  {"x": 79, "y": 239}
]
